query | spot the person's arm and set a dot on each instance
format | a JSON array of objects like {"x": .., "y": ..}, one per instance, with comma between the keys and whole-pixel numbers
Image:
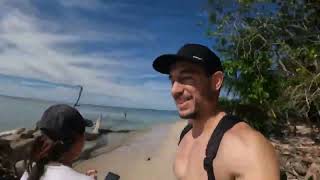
[
  {"x": 253, "y": 156},
  {"x": 262, "y": 158}
]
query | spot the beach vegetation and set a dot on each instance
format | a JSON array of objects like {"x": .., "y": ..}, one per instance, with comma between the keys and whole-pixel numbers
[{"x": 271, "y": 56}]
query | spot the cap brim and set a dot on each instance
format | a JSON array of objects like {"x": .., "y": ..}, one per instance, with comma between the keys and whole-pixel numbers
[
  {"x": 88, "y": 123},
  {"x": 163, "y": 63}
]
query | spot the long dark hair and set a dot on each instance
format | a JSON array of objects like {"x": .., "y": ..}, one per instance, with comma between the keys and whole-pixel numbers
[{"x": 43, "y": 151}]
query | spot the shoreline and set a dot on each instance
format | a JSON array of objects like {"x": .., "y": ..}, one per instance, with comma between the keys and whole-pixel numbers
[
  {"x": 146, "y": 154},
  {"x": 143, "y": 142},
  {"x": 107, "y": 143},
  {"x": 149, "y": 153}
]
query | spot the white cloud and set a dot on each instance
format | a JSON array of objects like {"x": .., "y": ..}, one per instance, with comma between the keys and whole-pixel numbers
[
  {"x": 93, "y": 4},
  {"x": 86, "y": 4},
  {"x": 29, "y": 50}
]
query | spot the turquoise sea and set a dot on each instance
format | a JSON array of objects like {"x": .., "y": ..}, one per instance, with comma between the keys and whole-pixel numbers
[{"x": 24, "y": 112}]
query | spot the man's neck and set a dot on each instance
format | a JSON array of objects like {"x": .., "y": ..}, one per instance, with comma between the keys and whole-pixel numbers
[{"x": 206, "y": 123}]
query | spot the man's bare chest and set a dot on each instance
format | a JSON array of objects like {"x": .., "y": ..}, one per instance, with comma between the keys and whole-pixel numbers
[{"x": 189, "y": 162}]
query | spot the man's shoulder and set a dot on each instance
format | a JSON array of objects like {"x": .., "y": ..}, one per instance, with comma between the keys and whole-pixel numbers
[
  {"x": 243, "y": 136},
  {"x": 244, "y": 144}
]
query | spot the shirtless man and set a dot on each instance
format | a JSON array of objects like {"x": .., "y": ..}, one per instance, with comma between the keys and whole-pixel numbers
[{"x": 242, "y": 153}]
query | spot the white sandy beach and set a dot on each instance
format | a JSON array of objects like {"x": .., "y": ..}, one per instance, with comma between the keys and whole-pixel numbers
[{"x": 146, "y": 156}]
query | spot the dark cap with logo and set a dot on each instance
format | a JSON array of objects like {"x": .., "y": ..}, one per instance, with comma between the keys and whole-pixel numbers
[
  {"x": 62, "y": 122},
  {"x": 194, "y": 53}
]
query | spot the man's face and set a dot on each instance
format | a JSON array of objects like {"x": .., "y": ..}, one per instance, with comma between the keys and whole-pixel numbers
[{"x": 191, "y": 88}]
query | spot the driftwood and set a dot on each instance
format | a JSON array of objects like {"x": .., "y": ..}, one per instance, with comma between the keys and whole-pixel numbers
[
  {"x": 313, "y": 172},
  {"x": 91, "y": 136},
  {"x": 15, "y": 145},
  {"x": 11, "y": 132},
  {"x": 299, "y": 154},
  {"x": 97, "y": 131}
]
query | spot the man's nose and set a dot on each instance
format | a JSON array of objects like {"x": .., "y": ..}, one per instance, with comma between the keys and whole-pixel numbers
[{"x": 176, "y": 89}]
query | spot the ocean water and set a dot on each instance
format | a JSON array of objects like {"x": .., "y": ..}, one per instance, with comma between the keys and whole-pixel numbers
[{"x": 22, "y": 112}]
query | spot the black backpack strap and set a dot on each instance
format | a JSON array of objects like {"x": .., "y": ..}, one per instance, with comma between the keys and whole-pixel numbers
[
  {"x": 185, "y": 130},
  {"x": 226, "y": 123}
]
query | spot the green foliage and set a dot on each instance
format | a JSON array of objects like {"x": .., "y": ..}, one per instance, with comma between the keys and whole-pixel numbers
[
  {"x": 271, "y": 52},
  {"x": 253, "y": 114}
]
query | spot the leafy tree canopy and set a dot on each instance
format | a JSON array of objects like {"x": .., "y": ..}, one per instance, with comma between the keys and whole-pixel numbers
[{"x": 271, "y": 53}]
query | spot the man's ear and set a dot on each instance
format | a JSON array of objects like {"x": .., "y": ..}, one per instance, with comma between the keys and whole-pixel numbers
[{"x": 217, "y": 80}]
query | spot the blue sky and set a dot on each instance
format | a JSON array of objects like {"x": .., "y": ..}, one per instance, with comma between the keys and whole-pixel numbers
[{"x": 47, "y": 48}]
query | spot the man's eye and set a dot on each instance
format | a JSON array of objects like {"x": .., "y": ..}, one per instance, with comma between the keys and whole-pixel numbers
[{"x": 186, "y": 79}]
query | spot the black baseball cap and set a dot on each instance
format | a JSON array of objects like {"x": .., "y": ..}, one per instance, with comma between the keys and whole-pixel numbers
[
  {"x": 61, "y": 122},
  {"x": 195, "y": 53}
]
